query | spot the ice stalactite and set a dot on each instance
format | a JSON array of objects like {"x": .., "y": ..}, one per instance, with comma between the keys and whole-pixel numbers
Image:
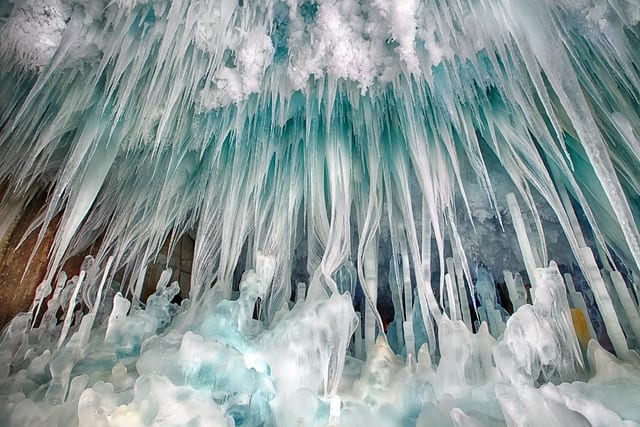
[{"x": 435, "y": 206}]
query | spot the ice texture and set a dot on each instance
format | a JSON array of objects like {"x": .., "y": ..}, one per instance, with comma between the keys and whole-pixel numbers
[{"x": 403, "y": 212}]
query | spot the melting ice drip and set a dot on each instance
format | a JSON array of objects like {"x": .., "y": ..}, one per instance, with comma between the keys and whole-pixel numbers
[{"x": 378, "y": 150}]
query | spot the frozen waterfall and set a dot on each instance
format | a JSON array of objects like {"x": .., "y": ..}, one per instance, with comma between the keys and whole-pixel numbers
[{"x": 402, "y": 213}]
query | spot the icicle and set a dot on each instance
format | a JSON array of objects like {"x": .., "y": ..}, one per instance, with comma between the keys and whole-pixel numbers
[
  {"x": 360, "y": 351},
  {"x": 118, "y": 313},
  {"x": 407, "y": 325},
  {"x": 617, "y": 305},
  {"x": 603, "y": 299},
  {"x": 49, "y": 317},
  {"x": 371, "y": 277},
  {"x": 577, "y": 300},
  {"x": 42, "y": 291},
  {"x": 462, "y": 292},
  {"x": 487, "y": 295},
  {"x": 627, "y": 302},
  {"x": 425, "y": 269},
  {"x": 409, "y": 339},
  {"x": 399, "y": 315},
  {"x": 452, "y": 292},
  {"x": 406, "y": 282},
  {"x": 79, "y": 340},
  {"x": 451, "y": 299},
  {"x": 517, "y": 292},
  {"x": 68, "y": 318},
  {"x": 528, "y": 255},
  {"x": 301, "y": 290}
]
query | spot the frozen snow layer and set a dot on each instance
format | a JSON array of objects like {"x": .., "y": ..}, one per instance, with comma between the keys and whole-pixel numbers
[
  {"x": 367, "y": 42},
  {"x": 32, "y": 33}
]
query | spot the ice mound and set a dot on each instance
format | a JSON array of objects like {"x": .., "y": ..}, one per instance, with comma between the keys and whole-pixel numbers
[{"x": 169, "y": 365}]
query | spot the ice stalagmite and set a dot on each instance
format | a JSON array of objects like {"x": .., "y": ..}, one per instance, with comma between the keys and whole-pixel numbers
[{"x": 321, "y": 212}]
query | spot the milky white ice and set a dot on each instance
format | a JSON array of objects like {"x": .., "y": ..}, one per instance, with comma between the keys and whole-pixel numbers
[{"x": 435, "y": 206}]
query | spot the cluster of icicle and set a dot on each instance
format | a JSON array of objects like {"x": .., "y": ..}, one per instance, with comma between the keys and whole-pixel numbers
[{"x": 344, "y": 135}]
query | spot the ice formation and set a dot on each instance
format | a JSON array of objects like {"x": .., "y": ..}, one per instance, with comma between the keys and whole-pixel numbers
[{"x": 435, "y": 205}]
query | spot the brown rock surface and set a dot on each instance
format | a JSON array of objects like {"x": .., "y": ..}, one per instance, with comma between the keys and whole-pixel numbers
[{"x": 16, "y": 292}]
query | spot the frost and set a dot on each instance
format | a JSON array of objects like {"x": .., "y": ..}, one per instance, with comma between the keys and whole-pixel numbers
[{"x": 32, "y": 33}]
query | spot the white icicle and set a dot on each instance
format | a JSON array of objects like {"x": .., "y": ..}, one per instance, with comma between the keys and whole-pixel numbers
[
  {"x": 530, "y": 261},
  {"x": 454, "y": 308},
  {"x": 68, "y": 318}
]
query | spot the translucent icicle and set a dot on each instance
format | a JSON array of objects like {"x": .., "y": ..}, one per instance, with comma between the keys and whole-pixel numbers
[
  {"x": 371, "y": 277},
  {"x": 409, "y": 339},
  {"x": 528, "y": 255},
  {"x": 42, "y": 291},
  {"x": 80, "y": 339},
  {"x": 577, "y": 300},
  {"x": 68, "y": 318},
  {"x": 462, "y": 292},
  {"x": 517, "y": 291},
  {"x": 603, "y": 299},
  {"x": 452, "y": 290},
  {"x": 627, "y": 302},
  {"x": 301, "y": 291},
  {"x": 398, "y": 311},
  {"x": 454, "y": 308}
]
